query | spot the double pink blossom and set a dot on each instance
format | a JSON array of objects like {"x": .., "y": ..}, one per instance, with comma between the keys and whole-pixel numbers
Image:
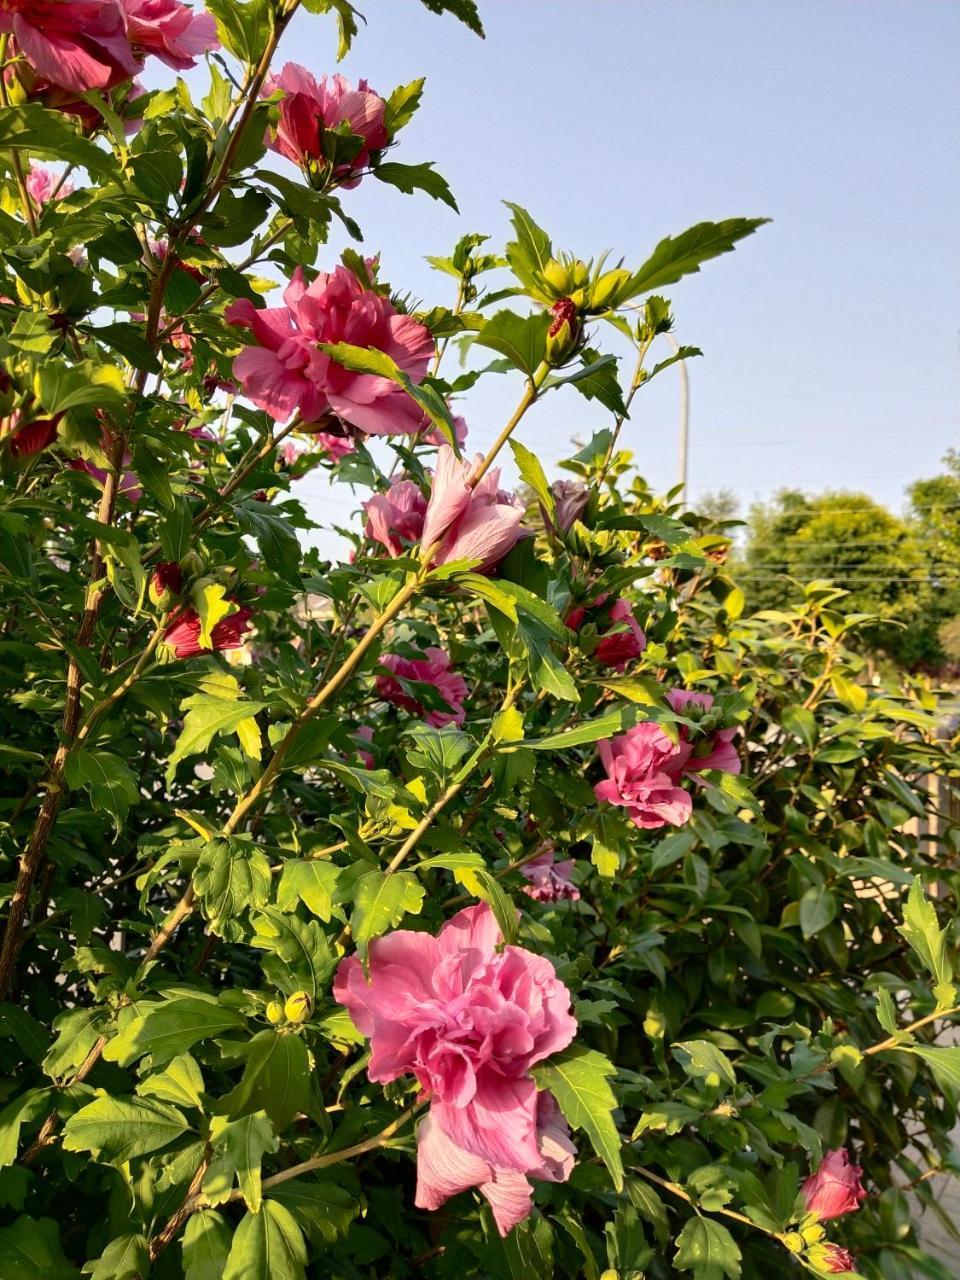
[
  {"x": 183, "y": 634},
  {"x": 395, "y": 518},
  {"x": 468, "y": 1021},
  {"x": 309, "y": 108},
  {"x": 42, "y": 183},
  {"x": 835, "y": 1189},
  {"x": 645, "y": 766},
  {"x": 466, "y": 520},
  {"x": 434, "y": 668},
  {"x": 621, "y": 636},
  {"x": 549, "y": 880},
  {"x": 174, "y": 33},
  {"x": 286, "y": 372}
]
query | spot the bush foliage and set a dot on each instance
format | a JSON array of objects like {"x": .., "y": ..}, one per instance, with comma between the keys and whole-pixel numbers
[{"x": 244, "y": 787}]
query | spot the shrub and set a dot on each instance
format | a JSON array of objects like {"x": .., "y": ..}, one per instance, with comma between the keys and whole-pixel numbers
[{"x": 498, "y": 901}]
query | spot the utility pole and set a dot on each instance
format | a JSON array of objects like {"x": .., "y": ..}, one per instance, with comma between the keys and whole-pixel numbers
[{"x": 684, "y": 417}]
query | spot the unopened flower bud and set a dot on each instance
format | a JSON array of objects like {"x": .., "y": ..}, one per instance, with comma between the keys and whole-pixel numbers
[
  {"x": 654, "y": 1025},
  {"x": 166, "y": 585},
  {"x": 299, "y": 1006},
  {"x": 794, "y": 1241},
  {"x": 813, "y": 1234},
  {"x": 274, "y": 1012},
  {"x": 191, "y": 564},
  {"x": 564, "y": 332}
]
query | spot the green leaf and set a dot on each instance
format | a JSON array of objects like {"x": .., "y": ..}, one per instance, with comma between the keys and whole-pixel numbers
[
  {"x": 325, "y": 1207},
  {"x": 578, "y": 1079},
  {"x": 209, "y": 714},
  {"x": 944, "y": 1063},
  {"x": 921, "y": 928},
  {"x": 436, "y": 752},
  {"x": 108, "y": 780},
  {"x": 301, "y": 959},
  {"x": 231, "y": 877},
  {"x": 589, "y": 731},
  {"x": 678, "y": 256},
  {"x": 115, "y": 1130},
  {"x": 521, "y": 339},
  {"x": 423, "y": 394},
  {"x": 402, "y": 105},
  {"x": 238, "y": 1148},
  {"x": 528, "y": 464},
  {"x": 53, "y": 134},
  {"x": 267, "y": 1246},
  {"x": 485, "y": 886},
  {"x": 852, "y": 696},
  {"x": 243, "y": 26},
  {"x": 818, "y": 907},
  {"x": 181, "y": 1083},
  {"x": 416, "y": 177},
  {"x": 380, "y": 903},
  {"x": 532, "y": 249},
  {"x": 276, "y": 539},
  {"x": 546, "y": 670},
  {"x": 465, "y": 10},
  {"x": 704, "y": 1061},
  {"x": 707, "y": 1248},
  {"x": 30, "y": 1250},
  {"x": 126, "y": 1258},
  {"x": 206, "y": 1245},
  {"x": 311, "y": 881},
  {"x": 801, "y": 723},
  {"x": 171, "y": 1029},
  {"x": 671, "y": 849},
  {"x": 277, "y": 1079},
  {"x": 886, "y": 1011}
]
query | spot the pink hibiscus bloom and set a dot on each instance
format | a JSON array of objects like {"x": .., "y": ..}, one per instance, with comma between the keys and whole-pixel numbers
[
  {"x": 41, "y": 184},
  {"x": 308, "y": 108},
  {"x": 335, "y": 447},
  {"x": 621, "y": 637},
  {"x": 73, "y": 44},
  {"x": 467, "y": 520},
  {"x": 395, "y": 518},
  {"x": 434, "y": 669},
  {"x": 468, "y": 1021},
  {"x": 287, "y": 373},
  {"x": 444, "y": 1169},
  {"x": 643, "y": 772},
  {"x": 183, "y": 634},
  {"x": 835, "y": 1189},
  {"x": 549, "y": 880},
  {"x": 171, "y": 31},
  {"x": 24, "y": 441}
]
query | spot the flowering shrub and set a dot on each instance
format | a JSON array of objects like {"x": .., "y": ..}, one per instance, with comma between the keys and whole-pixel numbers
[{"x": 494, "y": 900}]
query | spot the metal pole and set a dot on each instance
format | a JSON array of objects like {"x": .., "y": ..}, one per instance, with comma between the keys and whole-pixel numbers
[{"x": 684, "y": 418}]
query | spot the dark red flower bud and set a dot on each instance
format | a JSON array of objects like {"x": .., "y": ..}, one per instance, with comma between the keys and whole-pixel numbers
[
  {"x": 166, "y": 584},
  {"x": 34, "y": 436},
  {"x": 564, "y": 331}
]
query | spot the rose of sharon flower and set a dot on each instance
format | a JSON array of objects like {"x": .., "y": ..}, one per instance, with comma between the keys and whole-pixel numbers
[
  {"x": 467, "y": 521},
  {"x": 435, "y": 436},
  {"x": 41, "y": 184},
  {"x": 643, "y": 772},
  {"x": 183, "y": 635},
  {"x": 173, "y": 32},
  {"x": 621, "y": 637},
  {"x": 395, "y": 518},
  {"x": 335, "y": 447},
  {"x": 309, "y": 107},
  {"x": 570, "y": 498},
  {"x": 24, "y": 441},
  {"x": 549, "y": 880},
  {"x": 72, "y": 44},
  {"x": 468, "y": 1022},
  {"x": 444, "y": 1169},
  {"x": 835, "y": 1188},
  {"x": 433, "y": 668},
  {"x": 286, "y": 372}
]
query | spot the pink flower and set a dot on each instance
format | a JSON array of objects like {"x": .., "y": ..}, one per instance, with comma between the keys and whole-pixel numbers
[
  {"x": 835, "y": 1188},
  {"x": 183, "y": 635},
  {"x": 621, "y": 638},
  {"x": 643, "y": 772},
  {"x": 286, "y": 372},
  {"x": 444, "y": 1169},
  {"x": 713, "y": 752},
  {"x": 469, "y": 521},
  {"x": 129, "y": 481},
  {"x": 550, "y": 881},
  {"x": 335, "y": 447},
  {"x": 170, "y": 30},
  {"x": 365, "y": 734},
  {"x": 396, "y": 517},
  {"x": 309, "y": 108},
  {"x": 432, "y": 669},
  {"x": 32, "y": 437},
  {"x": 73, "y": 44},
  {"x": 41, "y": 184},
  {"x": 468, "y": 1021}
]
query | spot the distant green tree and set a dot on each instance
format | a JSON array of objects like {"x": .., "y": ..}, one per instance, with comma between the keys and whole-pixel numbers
[{"x": 881, "y": 561}]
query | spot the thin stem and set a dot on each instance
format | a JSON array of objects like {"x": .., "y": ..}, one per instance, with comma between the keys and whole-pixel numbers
[{"x": 635, "y": 385}]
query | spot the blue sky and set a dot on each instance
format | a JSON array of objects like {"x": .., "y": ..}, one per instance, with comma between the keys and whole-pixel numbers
[{"x": 831, "y": 338}]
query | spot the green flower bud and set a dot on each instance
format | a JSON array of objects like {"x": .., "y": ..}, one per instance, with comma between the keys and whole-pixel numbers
[
  {"x": 298, "y": 1008},
  {"x": 275, "y": 1012}
]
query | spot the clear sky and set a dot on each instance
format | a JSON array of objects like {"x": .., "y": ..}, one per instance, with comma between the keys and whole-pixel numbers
[{"x": 831, "y": 338}]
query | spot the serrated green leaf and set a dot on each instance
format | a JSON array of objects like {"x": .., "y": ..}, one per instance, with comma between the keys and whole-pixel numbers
[
  {"x": 707, "y": 1248},
  {"x": 238, "y": 1149},
  {"x": 267, "y": 1246},
  {"x": 170, "y": 1030},
  {"x": 579, "y": 1080},
  {"x": 115, "y": 1130}
]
